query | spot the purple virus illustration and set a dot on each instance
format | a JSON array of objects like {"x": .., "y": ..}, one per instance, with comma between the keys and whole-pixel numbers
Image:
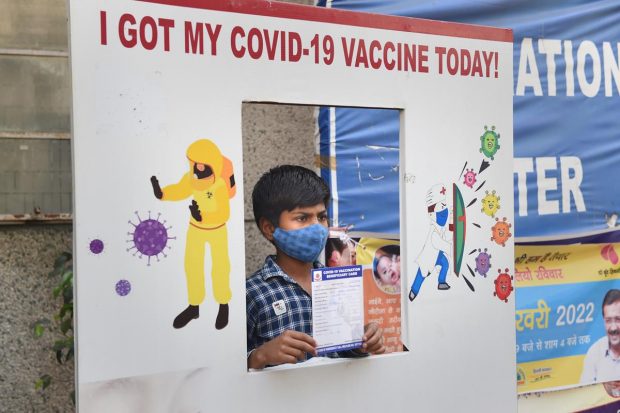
[
  {"x": 483, "y": 262},
  {"x": 123, "y": 287},
  {"x": 149, "y": 238},
  {"x": 96, "y": 246}
]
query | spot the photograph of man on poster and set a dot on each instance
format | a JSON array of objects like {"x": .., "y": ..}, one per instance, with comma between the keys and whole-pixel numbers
[{"x": 602, "y": 361}]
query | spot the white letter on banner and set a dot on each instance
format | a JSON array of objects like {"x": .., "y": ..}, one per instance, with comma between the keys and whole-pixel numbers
[
  {"x": 588, "y": 48},
  {"x": 611, "y": 68},
  {"x": 528, "y": 59},
  {"x": 546, "y": 207},
  {"x": 523, "y": 166},
  {"x": 550, "y": 47},
  {"x": 568, "y": 58},
  {"x": 568, "y": 163}
]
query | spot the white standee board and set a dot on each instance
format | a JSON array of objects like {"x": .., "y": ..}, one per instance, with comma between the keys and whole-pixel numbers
[{"x": 153, "y": 79}]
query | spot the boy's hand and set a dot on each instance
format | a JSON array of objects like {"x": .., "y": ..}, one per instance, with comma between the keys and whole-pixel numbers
[
  {"x": 290, "y": 347},
  {"x": 373, "y": 339}
]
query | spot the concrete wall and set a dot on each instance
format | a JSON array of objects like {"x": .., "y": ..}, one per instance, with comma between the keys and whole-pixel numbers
[
  {"x": 34, "y": 161},
  {"x": 26, "y": 257},
  {"x": 272, "y": 135}
]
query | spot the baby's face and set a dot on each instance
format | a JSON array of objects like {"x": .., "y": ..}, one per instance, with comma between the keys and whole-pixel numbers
[{"x": 388, "y": 269}]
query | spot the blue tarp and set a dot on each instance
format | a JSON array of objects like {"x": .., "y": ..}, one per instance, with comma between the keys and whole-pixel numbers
[{"x": 566, "y": 121}]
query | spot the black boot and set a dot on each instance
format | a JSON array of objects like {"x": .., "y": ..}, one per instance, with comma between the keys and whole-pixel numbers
[
  {"x": 187, "y": 315},
  {"x": 221, "y": 320}
]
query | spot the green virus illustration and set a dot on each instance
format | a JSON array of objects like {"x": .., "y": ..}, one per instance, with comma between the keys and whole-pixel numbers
[
  {"x": 489, "y": 142},
  {"x": 490, "y": 203}
]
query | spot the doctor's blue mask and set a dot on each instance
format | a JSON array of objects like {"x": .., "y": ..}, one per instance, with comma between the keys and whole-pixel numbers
[
  {"x": 304, "y": 244},
  {"x": 442, "y": 217}
]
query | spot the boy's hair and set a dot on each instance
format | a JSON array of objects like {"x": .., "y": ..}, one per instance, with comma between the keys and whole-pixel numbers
[{"x": 285, "y": 188}]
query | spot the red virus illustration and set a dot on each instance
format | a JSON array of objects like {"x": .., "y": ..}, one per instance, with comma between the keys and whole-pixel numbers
[
  {"x": 503, "y": 285},
  {"x": 500, "y": 232},
  {"x": 469, "y": 178},
  {"x": 150, "y": 237}
]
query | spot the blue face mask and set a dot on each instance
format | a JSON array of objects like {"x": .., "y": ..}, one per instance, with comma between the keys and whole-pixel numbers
[
  {"x": 442, "y": 217},
  {"x": 303, "y": 244}
]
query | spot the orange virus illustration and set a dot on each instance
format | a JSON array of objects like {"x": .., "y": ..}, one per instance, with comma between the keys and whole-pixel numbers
[
  {"x": 500, "y": 232},
  {"x": 503, "y": 285}
]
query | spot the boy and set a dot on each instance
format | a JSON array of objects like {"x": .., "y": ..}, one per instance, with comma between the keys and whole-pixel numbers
[{"x": 290, "y": 210}]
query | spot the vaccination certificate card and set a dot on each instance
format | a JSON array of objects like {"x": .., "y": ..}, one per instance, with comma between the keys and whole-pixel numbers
[{"x": 337, "y": 308}]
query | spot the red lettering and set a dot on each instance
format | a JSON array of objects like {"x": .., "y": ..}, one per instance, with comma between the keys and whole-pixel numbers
[
  {"x": 389, "y": 64},
  {"x": 410, "y": 57},
  {"x": 440, "y": 51},
  {"x": 237, "y": 52},
  {"x": 255, "y": 53},
  {"x": 423, "y": 58},
  {"x": 166, "y": 24},
  {"x": 453, "y": 61},
  {"x": 362, "y": 56},
  {"x": 294, "y": 47},
  {"x": 148, "y": 21},
  {"x": 283, "y": 46},
  {"x": 104, "y": 27},
  {"x": 193, "y": 38},
  {"x": 488, "y": 58},
  {"x": 476, "y": 67},
  {"x": 271, "y": 43},
  {"x": 465, "y": 62},
  {"x": 129, "y": 39},
  {"x": 374, "y": 62},
  {"x": 348, "y": 51},
  {"x": 213, "y": 36}
]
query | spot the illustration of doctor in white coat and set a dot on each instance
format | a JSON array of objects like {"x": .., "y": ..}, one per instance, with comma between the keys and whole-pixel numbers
[{"x": 433, "y": 259}]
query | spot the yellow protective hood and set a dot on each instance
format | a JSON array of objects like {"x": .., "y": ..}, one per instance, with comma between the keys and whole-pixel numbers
[{"x": 206, "y": 152}]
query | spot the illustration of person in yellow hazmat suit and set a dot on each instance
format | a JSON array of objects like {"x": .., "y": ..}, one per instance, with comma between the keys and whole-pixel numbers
[{"x": 210, "y": 183}]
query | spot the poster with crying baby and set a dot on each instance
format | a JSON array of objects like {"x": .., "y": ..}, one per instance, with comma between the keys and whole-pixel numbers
[{"x": 380, "y": 260}]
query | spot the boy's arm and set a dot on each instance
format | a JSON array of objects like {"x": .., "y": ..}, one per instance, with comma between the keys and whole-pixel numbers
[{"x": 289, "y": 347}]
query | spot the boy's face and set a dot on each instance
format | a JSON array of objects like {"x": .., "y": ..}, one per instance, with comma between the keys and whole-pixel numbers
[{"x": 302, "y": 217}]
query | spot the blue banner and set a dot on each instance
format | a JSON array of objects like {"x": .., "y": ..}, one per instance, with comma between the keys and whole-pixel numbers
[
  {"x": 566, "y": 119},
  {"x": 364, "y": 178},
  {"x": 559, "y": 320}
]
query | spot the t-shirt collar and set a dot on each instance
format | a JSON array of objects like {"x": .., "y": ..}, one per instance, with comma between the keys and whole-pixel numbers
[{"x": 272, "y": 269}]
